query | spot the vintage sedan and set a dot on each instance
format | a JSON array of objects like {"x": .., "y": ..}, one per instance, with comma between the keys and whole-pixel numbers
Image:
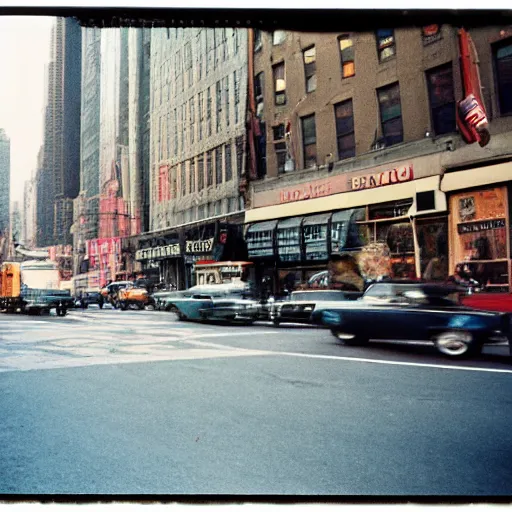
[
  {"x": 300, "y": 305},
  {"x": 212, "y": 303},
  {"x": 415, "y": 312}
]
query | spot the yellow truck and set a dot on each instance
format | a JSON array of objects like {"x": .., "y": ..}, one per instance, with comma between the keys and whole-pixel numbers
[{"x": 32, "y": 287}]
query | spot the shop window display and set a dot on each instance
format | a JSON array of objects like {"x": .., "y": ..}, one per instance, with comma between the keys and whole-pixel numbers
[
  {"x": 479, "y": 236},
  {"x": 433, "y": 243}
]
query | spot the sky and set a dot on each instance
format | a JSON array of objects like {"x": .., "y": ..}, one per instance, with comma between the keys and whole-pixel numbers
[{"x": 24, "y": 51}]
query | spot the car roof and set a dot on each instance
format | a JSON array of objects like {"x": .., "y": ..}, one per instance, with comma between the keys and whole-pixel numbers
[{"x": 428, "y": 288}]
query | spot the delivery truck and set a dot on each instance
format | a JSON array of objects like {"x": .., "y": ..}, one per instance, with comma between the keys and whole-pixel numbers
[{"x": 32, "y": 287}]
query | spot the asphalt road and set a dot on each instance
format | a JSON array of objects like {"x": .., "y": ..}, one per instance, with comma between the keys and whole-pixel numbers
[{"x": 112, "y": 402}]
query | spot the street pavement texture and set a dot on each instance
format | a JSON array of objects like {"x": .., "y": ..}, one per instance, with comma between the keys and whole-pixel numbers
[{"x": 109, "y": 402}]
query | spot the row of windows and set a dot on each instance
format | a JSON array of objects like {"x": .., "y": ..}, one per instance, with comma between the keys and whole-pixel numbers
[
  {"x": 212, "y": 209},
  {"x": 386, "y": 47},
  {"x": 441, "y": 101},
  {"x": 188, "y": 122},
  {"x": 213, "y": 168},
  {"x": 442, "y": 107},
  {"x": 178, "y": 71}
]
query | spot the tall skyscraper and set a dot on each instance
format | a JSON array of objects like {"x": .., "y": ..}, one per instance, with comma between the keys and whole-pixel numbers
[
  {"x": 58, "y": 179},
  {"x": 5, "y": 180}
]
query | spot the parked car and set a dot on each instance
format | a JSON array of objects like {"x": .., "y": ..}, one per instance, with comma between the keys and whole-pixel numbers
[
  {"x": 299, "y": 307},
  {"x": 212, "y": 303},
  {"x": 415, "y": 312},
  {"x": 90, "y": 297}
]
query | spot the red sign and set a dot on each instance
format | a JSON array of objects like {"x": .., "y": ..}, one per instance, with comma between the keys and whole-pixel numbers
[
  {"x": 306, "y": 191},
  {"x": 381, "y": 179}
]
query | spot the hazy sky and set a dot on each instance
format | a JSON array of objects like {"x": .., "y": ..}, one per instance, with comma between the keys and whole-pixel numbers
[{"x": 24, "y": 51}]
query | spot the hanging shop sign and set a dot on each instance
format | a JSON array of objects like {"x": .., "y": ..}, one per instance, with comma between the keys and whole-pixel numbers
[
  {"x": 381, "y": 179},
  {"x": 476, "y": 227},
  {"x": 163, "y": 251},
  {"x": 199, "y": 246}
]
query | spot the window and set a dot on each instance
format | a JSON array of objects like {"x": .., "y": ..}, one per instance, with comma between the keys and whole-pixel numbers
[
  {"x": 236, "y": 41},
  {"x": 278, "y": 37},
  {"x": 184, "y": 125},
  {"x": 347, "y": 56},
  {"x": 188, "y": 63},
  {"x": 209, "y": 112},
  {"x": 344, "y": 116},
  {"x": 258, "y": 93},
  {"x": 209, "y": 169},
  {"x": 386, "y": 44},
  {"x": 200, "y": 172},
  {"x": 442, "y": 100},
  {"x": 279, "y": 84},
  {"x": 218, "y": 165},
  {"x": 431, "y": 34},
  {"x": 239, "y": 143},
  {"x": 192, "y": 114},
  {"x": 175, "y": 131},
  {"x": 237, "y": 97},
  {"x": 168, "y": 134},
  {"x": 224, "y": 39},
  {"x": 280, "y": 147},
  {"x": 309, "y": 140},
  {"x": 503, "y": 68},
  {"x": 309, "y": 56},
  {"x": 257, "y": 40},
  {"x": 219, "y": 104},
  {"x": 183, "y": 179},
  {"x": 391, "y": 113},
  {"x": 192, "y": 176},
  {"x": 226, "y": 96},
  {"x": 228, "y": 164},
  {"x": 201, "y": 115}
]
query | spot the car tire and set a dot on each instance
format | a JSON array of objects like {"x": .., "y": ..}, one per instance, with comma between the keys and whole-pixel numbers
[
  {"x": 124, "y": 306},
  {"x": 457, "y": 344},
  {"x": 349, "y": 339},
  {"x": 176, "y": 312}
]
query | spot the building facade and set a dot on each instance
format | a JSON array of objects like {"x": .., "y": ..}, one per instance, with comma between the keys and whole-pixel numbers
[
  {"x": 113, "y": 202},
  {"x": 29, "y": 213},
  {"x": 197, "y": 148},
  {"x": 5, "y": 180},
  {"x": 358, "y": 147},
  {"x": 58, "y": 182}
]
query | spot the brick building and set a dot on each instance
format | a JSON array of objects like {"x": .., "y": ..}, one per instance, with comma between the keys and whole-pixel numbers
[{"x": 355, "y": 141}]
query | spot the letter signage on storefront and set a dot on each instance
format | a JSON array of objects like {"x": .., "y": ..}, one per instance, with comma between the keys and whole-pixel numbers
[
  {"x": 381, "y": 179},
  {"x": 153, "y": 253},
  {"x": 307, "y": 191},
  {"x": 199, "y": 246},
  {"x": 476, "y": 227}
]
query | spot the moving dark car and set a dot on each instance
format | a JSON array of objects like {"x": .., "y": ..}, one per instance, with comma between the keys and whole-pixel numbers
[
  {"x": 301, "y": 304},
  {"x": 394, "y": 311}
]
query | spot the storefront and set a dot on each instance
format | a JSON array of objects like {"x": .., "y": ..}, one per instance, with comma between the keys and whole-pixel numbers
[
  {"x": 479, "y": 224},
  {"x": 160, "y": 258},
  {"x": 348, "y": 214}
]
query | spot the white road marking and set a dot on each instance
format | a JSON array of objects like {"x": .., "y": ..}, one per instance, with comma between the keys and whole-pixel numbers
[{"x": 396, "y": 363}]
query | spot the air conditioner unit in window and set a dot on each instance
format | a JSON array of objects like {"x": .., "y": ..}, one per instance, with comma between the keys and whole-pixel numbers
[{"x": 379, "y": 144}]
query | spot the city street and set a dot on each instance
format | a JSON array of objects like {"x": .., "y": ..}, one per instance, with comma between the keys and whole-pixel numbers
[{"x": 112, "y": 402}]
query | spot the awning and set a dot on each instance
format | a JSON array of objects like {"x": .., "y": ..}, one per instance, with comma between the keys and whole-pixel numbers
[
  {"x": 292, "y": 222},
  {"x": 262, "y": 226},
  {"x": 317, "y": 220},
  {"x": 353, "y": 199},
  {"x": 458, "y": 180}
]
